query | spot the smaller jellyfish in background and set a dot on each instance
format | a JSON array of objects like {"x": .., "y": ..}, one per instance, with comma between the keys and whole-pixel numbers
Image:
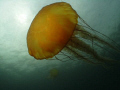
[
  {"x": 55, "y": 30},
  {"x": 53, "y": 73}
]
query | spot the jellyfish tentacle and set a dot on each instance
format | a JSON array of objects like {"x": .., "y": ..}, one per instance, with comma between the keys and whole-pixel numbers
[
  {"x": 67, "y": 56},
  {"x": 79, "y": 44},
  {"x": 88, "y": 26},
  {"x": 79, "y": 56},
  {"x": 63, "y": 59},
  {"x": 87, "y": 35},
  {"x": 60, "y": 59},
  {"x": 103, "y": 48}
]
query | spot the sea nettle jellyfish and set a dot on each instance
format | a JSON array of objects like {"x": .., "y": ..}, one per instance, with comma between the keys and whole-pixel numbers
[{"x": 55, "y": 30}]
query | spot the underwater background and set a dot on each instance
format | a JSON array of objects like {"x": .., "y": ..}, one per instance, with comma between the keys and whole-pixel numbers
[{"x": 20, "y": 71}]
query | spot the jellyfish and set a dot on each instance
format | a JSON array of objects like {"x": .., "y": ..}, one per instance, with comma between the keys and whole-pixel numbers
[
  {"x": 53, "y": 73},
  {"x": 57, "y": 27}
]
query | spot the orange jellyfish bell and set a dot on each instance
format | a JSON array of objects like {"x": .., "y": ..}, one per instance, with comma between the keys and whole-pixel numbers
[{"x": 51, "y": 30}]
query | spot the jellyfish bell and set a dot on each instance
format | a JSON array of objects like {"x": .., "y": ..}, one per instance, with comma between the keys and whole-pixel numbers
[
  {"x": 51, "y": 30},
  {"x": 55, "y": 28}
]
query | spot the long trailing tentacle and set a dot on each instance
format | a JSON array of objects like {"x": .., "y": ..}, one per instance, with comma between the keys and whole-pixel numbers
[
  {"x": 89, "y": 36},
  {"x": 82, "y": 46},
  {"x": 79, "y": 56},
  {"x": 88, "y": 26}
]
